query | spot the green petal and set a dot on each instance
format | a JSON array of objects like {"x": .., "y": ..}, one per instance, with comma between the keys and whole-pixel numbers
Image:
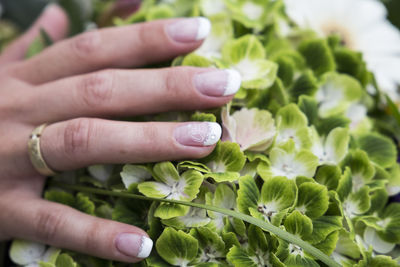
[
  {"x": 357, "y": 203},
  {"x": 298, "y": 224},
  {"x": 221, "y": 32},
  {"x": 345, "y": 184},
  {"x": 247, "y": 55},
  {"x": 196, "y": 60},
  {"x": 305, "y": 85},
  {"x": 66, "y": 260},
  {"x": 134, "y": 174},
  {"x": 379, "y": 245},
  {"x": 309, "y": 106},
  {"x": 361, "y": 168},
  {"x": 393, "y": 186},
  {"x": 347, "y": 246},
  {"x": 169, "y": 210},
  {"x": 329, "y": 244},
  {"x": 248, "y": 194},
  {"x": 154, "y": 189},
  {"x": 288, "y": 163},
  {"x": 336, "y": 94},
  {"x": 101, "y": 172},
  {"x": 226, "y": 157},
  {"x": 252, "y": 129},
  {"x": 211, "y": 244},
  {"x": 192, "y": 165},
  {"x": 313, "y": 199},
  {"x": 324, "y": 226},
  {"x": 176, "y": 247},
  {"x": 166, "y": 172},
  {"x": 318, "y": 56},
  {"x": 336, "y": 145},
  {"x": 25, "y": 252},
  {"x": 381, "y": 150},
  {"x": 277, "y": 194},
  {"x": 329, "y": 176},
  {"x": 212, "y": 7}
]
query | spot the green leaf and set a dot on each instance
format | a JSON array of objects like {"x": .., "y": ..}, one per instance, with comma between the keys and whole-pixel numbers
[
  {"x": 160, "y": 12},
  {"x": 380, "y": 149},
  {"x": 318, "y": 56},
  {"x": 130, "y": 213},
  {"x": 177, "y": 247},
  {"x": 313, "y": 199}
]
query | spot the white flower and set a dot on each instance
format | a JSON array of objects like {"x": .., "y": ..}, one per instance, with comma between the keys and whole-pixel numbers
[{"x": 362, "y": 26}]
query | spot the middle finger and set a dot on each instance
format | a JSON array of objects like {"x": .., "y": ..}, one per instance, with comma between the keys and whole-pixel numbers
[{"x": 131, "y": 92}]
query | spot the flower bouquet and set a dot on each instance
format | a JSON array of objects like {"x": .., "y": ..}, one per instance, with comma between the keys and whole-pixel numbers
[{"x": 307, "y": 164}]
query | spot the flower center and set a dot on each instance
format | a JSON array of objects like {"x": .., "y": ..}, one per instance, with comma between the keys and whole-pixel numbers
[{"x": 333, "y": 28}]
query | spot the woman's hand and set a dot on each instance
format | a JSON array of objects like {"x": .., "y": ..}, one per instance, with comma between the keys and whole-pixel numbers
[{"x": 71, "y": 86}]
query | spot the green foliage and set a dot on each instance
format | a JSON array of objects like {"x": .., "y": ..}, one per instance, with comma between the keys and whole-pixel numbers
[{"x": 305, "y": 150}]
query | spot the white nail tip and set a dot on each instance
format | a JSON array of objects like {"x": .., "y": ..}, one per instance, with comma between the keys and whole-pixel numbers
[
  {"x": 145, "y": 247},
  {"x": 204, "y": 28},
  {"x": 214, "y": 134},
  {"x": 233, "y": 83}
]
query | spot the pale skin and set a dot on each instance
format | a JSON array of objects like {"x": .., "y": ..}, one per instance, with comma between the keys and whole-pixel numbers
[{"x": 78, "y": 85}]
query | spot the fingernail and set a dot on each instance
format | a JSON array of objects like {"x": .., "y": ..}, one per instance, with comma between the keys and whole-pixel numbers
[
  {"x": 134, "y": 245},
  {"x": 198, "y": 134},
  {"x": 49, "y": 7},
  {"x": 189, "y": 30},
  {"x": 218, "y": 83}
]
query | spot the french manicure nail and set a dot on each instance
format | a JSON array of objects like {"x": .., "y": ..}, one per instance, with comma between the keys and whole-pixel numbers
[
  {"x": 198, "y": 133},
  {"x": 189, "y": 30},
  {"x": 134, "y": 245},
  {"x": 218, "y": 82}
]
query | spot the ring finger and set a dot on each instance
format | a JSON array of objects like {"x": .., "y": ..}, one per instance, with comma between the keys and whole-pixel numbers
[{"x": 80, "y": 142}]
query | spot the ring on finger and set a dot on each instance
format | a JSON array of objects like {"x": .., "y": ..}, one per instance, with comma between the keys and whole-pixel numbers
[{"x": 35, "y": 153}]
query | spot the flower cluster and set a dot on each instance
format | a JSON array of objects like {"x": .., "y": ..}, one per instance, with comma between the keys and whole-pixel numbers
[{"x": 309, "y": 146}]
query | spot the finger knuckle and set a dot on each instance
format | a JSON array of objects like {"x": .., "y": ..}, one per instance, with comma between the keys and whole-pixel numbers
[
  {"x": 77, "y": 135},
  {"x": 86, "y": 44},
  {"x": 172, "y": 77},
  {"x": 48, "y": 223},
  {"x": 149, "y": 134},
  {"x": 92, "y": 234},
  {"x": 96, "y": 90}
]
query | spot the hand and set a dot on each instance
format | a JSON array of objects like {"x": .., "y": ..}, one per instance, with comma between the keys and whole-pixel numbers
[{"x": 69, "y": 84}]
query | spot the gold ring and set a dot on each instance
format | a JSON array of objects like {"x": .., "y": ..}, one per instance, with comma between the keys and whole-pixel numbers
[{"x": 35, "y": 153}]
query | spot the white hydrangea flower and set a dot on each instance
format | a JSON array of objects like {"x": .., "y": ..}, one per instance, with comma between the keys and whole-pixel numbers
[{"x": 363, "y": 27}]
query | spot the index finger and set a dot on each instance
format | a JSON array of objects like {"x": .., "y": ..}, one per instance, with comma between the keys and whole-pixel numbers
[{"x": 127, "y": 46}]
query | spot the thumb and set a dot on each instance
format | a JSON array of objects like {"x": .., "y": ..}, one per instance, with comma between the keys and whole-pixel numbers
[{"x": 53, "y": 20}]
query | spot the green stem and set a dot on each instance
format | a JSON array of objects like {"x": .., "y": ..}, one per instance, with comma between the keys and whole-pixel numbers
[{"x": 262, "y": 224}]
